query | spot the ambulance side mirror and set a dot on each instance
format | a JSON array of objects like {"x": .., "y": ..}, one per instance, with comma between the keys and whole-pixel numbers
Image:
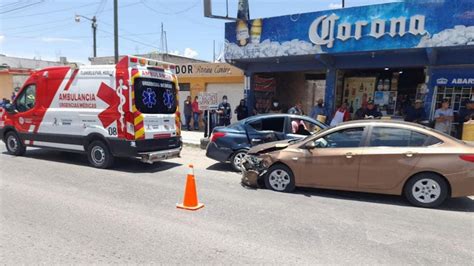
[{"x": 10, "y": 108}]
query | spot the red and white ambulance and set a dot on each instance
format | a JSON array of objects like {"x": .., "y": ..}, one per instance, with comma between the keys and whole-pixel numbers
[{"x": 124, "y": 110}]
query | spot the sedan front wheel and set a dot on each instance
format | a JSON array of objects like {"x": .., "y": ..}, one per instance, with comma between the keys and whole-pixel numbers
[{"x": 280, "y": 178}]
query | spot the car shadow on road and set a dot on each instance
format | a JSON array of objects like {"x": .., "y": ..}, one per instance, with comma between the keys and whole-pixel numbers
[
  {"x": 222, "y": 167},
  {"x": 121, "y": 164},
  {"x": 464, "y": 204}
]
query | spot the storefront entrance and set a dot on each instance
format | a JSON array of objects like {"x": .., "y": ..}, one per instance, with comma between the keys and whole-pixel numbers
[
  {"x": 288, "y": 88},
  {"x": 392, "y": 90}
]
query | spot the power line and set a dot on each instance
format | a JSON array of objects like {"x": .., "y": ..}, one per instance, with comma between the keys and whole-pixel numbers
[
  {"x": 122, "y": 30},
  {"x": 174, "y": 12},
  {"x": 37, "y": 25},
  {"x": 50, "y": 12},
  {"x": 22, "y": 7},
  {"x": 131, "y": 40},
  {"x": 49, "y": 29},
  {"x": 61, "y": 20},
  {"x": 11, "y": 4},
  {"x": 101, "y": 7}
]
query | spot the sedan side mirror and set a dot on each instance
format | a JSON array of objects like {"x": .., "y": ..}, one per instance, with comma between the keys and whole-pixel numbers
[{"x": 310, "y": 145}]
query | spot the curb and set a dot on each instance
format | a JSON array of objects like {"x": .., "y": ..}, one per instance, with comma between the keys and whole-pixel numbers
[{"x": 192, "y": 144}]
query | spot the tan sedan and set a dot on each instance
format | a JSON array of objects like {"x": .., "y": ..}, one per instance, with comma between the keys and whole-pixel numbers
[{"x": 379, "y": 156}]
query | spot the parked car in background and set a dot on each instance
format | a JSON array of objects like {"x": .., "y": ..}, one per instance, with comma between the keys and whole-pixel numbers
[
  {"x": 377, "y": 156},
  {"x": 231, "y": 143}
]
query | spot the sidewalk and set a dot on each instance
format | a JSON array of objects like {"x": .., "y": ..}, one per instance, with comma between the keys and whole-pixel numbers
[{"x": 192, "y": 137}]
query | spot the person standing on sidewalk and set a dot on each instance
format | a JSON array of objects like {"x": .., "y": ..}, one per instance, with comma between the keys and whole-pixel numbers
[
  {"x": 341, "y": 115},
  {"x": 319, "y": 110},
  {"x": 196, "y": 113},
  {"x": 242, "y": 111},
  {"x": 224, "y": 112},
  {"x": 188, "y": 112},
  {"x": 297, "y": 109},
  {"x": 444, "y": 117}
]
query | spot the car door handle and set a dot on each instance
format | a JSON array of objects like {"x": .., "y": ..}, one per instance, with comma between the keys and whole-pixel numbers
[
  {"x": 349, "y": 155},
  {"x": 409, "y": 154}
]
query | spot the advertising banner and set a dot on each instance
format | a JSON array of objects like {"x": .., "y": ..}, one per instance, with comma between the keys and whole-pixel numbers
[{"x": 400, "y": 25}]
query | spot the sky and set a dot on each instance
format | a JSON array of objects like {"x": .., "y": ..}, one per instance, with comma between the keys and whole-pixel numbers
[{"x": 46, "y": 29}]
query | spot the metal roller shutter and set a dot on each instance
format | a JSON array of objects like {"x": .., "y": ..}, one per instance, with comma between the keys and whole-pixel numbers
[{"x": 234, "y": 92}]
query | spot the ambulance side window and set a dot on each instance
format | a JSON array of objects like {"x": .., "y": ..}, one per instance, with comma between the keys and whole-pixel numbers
[{"x": 27, "y": 99}]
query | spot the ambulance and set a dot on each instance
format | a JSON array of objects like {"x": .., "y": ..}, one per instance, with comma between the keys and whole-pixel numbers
[{"x": 125, "y": 110}]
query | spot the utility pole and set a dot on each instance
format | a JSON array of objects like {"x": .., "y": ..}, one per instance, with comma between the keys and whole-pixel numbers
[
  {"x": 214, "y": 51},
  {"x": 94, "y": 30},
  {"x": 116, "y": 45},
  {"x": 343, "y": 4},
  {"x": 94, "y": 33},
  {"x": 162, "y": 40}
]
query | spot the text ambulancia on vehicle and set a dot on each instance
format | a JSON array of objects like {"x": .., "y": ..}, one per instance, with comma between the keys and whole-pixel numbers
[{"x": 124, "y": 110}]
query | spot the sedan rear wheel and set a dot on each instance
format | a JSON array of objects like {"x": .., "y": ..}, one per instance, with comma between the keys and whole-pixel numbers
[
  {"x": 280, "y": 178},
  {"x": 426, "y": 190},
  {"x": 236, "y": 160}
]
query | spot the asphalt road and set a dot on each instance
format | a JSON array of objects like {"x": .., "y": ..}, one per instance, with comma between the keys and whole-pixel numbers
[{"x": 57, "y": 209}]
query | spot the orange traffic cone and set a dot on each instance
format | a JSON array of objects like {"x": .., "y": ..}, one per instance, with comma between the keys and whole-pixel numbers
[{"x": 190, "y": 201}]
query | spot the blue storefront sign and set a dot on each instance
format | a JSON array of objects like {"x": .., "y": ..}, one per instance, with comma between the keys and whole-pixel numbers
[
  {"x": 454, "y": 77},
  {"x": 400, "y": 25}
]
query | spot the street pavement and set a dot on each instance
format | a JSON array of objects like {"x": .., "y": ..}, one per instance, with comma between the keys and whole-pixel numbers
[{"x": 57, "y": 209}]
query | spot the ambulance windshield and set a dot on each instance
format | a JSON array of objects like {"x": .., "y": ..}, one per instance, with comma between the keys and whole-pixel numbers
[{"x": 153, "y": 96}]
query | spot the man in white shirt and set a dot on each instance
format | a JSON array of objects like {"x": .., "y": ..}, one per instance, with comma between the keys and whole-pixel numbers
[{"x": 444, "y": 117}]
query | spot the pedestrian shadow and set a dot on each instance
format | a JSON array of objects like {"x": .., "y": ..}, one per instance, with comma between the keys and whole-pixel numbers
[
  {"x": 464, "y": 204},
  {"x": 128, "y": 165}
]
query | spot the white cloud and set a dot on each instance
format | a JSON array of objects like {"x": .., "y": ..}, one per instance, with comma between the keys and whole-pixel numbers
[
  {"x": 56, "y": 39},
  {"x": 334, "y": 5},
  {"x": 188, "y": 52},
  {"x": 2, "y": 38}
]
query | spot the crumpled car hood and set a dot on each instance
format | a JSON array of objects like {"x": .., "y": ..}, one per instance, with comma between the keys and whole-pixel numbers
[{"x": 269, "y": 147}]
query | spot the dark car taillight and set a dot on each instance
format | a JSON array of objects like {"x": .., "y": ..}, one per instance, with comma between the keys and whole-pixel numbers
[
  {"x": 467, "y": 158},
  {"x": 217, "y": 135}
]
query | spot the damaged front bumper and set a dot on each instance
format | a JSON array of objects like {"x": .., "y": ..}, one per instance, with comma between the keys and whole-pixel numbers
[{"x": 253, "y": 168}]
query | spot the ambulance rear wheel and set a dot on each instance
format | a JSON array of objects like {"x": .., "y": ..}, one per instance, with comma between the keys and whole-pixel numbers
[
  {"x": 14, "y": 144},
  {"x": 99, "y": 155}
]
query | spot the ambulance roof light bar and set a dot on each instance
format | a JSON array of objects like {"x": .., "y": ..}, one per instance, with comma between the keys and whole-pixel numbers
[{"x": 151, "y": 62}]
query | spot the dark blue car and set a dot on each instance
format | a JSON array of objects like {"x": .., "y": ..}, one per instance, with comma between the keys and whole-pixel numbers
[{"x": 231, "y": 143}]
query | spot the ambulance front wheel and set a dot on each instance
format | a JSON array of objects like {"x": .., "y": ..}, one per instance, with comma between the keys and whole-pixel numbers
[
  {"x": 99, "y": 155},
  {"x": 14, "y": 144}
]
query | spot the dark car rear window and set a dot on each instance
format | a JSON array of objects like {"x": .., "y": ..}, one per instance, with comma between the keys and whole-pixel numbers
[{"x": 276, "y": 124}]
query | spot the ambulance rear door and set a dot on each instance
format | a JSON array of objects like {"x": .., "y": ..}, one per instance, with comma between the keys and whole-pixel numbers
[{"x": 156, "y": 100}]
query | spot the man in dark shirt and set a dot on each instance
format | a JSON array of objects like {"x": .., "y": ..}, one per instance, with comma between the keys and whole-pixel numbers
[
  {"x": 224, "y": 112},
  {"x": 464, "y": 115},
  {"x": 360, "y": 113},
  {"x": 416, "y": 114},
  {"x": 372, "y": 111},
  {"x": 242, "y": 111},
  {"x": 188, "y": 112}
]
